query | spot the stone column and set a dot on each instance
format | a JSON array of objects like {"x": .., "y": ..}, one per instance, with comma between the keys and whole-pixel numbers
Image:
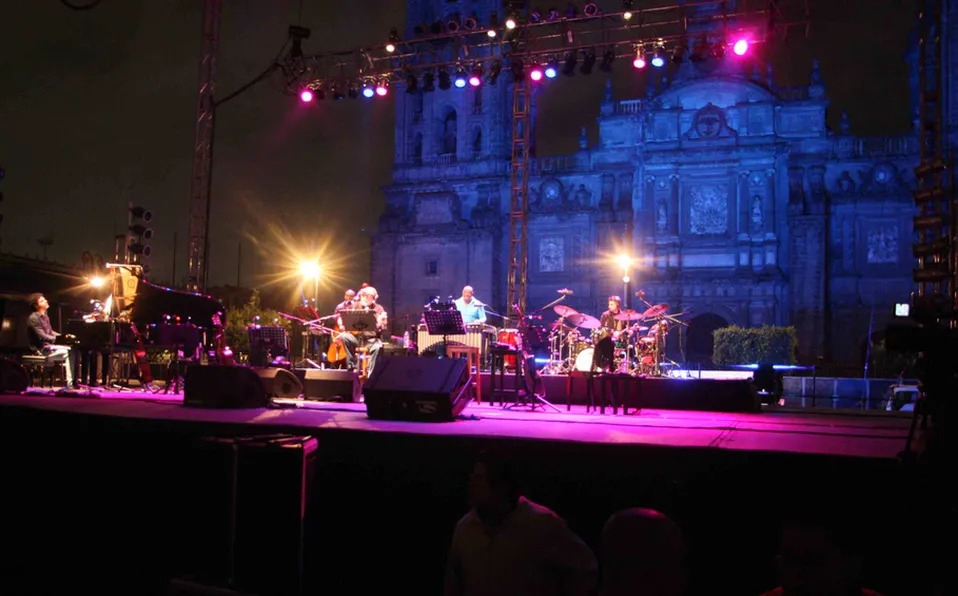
[{"x": 807, "y": 284}]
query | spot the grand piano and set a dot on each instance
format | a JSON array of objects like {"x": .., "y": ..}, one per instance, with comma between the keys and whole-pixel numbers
[{"x": 163, "y": 319}]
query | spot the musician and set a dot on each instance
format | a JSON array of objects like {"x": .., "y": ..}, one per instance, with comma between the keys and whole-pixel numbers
[
  {"x": 349, "y": 298},
  {"x": 473, "y": 311},
  {"x": 610, "y": 328},
  {"x": 372, "y": 339},
  {"x": 42, "y": 337}
]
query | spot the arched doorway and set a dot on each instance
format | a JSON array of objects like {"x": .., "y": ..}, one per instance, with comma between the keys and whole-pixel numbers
[{"x": 698, "y": 346}]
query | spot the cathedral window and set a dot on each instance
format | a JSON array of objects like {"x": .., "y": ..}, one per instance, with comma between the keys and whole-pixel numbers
[
  {"x": 432, "y": 268},
  {"x": 449, "y": 132}
]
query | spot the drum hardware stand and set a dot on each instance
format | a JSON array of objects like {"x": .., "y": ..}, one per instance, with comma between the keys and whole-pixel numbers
[{"x": 529, "y": 398}]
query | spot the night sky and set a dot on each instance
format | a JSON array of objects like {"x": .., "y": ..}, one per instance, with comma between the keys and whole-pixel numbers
[{"x": 97, "y": 109}]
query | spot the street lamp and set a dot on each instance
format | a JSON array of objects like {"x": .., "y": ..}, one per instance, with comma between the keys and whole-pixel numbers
[
  {"x": 625, "y": 262},
  {"x": 312, "y": 270}
]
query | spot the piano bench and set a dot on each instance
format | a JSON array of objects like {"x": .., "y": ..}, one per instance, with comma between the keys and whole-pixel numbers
[{"x": 40, "y": 370}]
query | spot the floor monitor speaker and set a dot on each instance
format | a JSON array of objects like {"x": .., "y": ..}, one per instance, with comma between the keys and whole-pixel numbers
[
  {"x": 216, "y": 386},
  {"x": 279, "y": 382},
  {"x": 330, "y": 385},
  {"x": 417, "y": 389}
]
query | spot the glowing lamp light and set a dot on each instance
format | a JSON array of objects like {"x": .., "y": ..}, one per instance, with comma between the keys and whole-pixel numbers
[
  {"x": 551, "y": 72},
  {"x": 535, "y": 74},
  {"x": 475, "y": 81},
  {"x": 368, "y": 92},
  {"x": 639, "y": 62},
  {"x": 658, "y": 61},
  {"x": 740, "y": 47},
  {"x": 381, "y": 90},
  {"x": 306, "y": 96},
  {"x": 460, "y": 82}
]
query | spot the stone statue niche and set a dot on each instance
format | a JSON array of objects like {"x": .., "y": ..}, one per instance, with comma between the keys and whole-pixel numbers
[{"x": 450, "y": 126}]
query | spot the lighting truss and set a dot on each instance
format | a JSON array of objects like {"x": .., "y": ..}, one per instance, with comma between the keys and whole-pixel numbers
[{"x": 669, "y": 23}]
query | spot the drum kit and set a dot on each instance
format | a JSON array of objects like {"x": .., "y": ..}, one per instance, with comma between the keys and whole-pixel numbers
[{"x": 639, "y": 347}]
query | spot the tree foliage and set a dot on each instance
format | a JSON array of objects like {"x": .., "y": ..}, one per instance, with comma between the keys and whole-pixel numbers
[
  {"x": 756, "y": 345},
  {"x": 238, "y": 319}
]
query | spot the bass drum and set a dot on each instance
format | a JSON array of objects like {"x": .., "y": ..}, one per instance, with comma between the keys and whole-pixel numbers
[{"x": 583, "y": 361}]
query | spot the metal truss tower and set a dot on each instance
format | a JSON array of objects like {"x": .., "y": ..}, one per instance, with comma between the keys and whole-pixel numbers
[
  {"x": 934, "y": 224},
  {"x": 519, "y": 194},
  {"x": 200, "y": 184}
]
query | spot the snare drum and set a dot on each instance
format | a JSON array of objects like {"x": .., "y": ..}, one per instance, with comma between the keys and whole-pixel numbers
[{"x": 510, "y": 337}]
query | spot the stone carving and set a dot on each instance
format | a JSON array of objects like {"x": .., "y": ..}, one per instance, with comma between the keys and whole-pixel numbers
[
  {"x": 882, "y": 245},
  {"x": 550, "y": 196},
  {"x": 756, "y": 179},
  {"x": 796, "y": 187},
  {"x": 661, "y": 217},
  {"x": 583, "y": 197},
  {"x": 551, "y": 255},
  {"x": 625, "y": 192},
  {"x": 477, "y": 141},
  {"x": 435, "y": 210},
  {"x": 708, "y": 210},
  {"x": 758, "y": 217},
  {"x": 845, "y": 185},
  {"x": 816, "y": 186},
  {"x": 608, "y": 191},
  {"x": 709, "y": 123}
]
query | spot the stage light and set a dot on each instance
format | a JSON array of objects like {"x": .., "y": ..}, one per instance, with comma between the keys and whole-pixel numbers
[
  {"x": 658, "y": 61},
  {"x": 382, "y": 88},
  {"x": 471, "y": 23},
  {"x": 551, "y": 70},
  {"x": 368, "y": 91},
  {"x": 740, "y": 47},
  {"x": 493, "y": 23},
  {"x": 639, "y": 61},
  {"x": 590, "y": 9},
  {"x": 518, "y": 72},
  {"x": 553, "y": 14},
  {"x": 535, "y": 74},
  {"x": 627, "y": 7},
  {"x": 494, "y": 71},
  {"x": 393, "y": 40},
  {"x": 535, "y": 16},
  {"x": 444, "y": 81},
  {"x": 412, "y": 84},
  {"x": 608, "y": 57},
  {"x": 570, "y": 61},
  {"x": 460, "y": 80},
  {"x": 511, "y": 22},
  {"x": 475, "y": 79},
  {"x": 452, "y": 25},
  {"x": 306, "y": 96},
  {"x": 428, "y": 82},
  {"x": 588, "y": 61}
]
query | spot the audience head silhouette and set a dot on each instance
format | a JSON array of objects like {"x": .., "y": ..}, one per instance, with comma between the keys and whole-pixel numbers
[
  {"x": 493, "y": 488},
  {"x": 642, "y": 553}
]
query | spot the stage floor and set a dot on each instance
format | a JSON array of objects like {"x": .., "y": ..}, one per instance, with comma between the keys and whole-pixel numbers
[{"x": 842, "y": 434}]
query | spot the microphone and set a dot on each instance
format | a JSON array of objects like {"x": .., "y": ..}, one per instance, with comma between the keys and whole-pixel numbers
[
  {"x": 640, "y": 294},
  {"x": 477, "y": 302},
  {"x": 566, "y": 292}
]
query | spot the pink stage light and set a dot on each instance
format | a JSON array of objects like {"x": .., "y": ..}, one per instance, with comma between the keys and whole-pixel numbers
[
  {"x": 475, "y": 81},
  {"x": 306, "y": 96},
  {"x": 381, "y": 90},
  {"x": 740, "y": 47},
  {"x": 536, "y": 74}
]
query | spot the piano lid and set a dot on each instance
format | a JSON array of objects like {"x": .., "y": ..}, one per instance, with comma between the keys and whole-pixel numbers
[{"x": 156, "y": 304}]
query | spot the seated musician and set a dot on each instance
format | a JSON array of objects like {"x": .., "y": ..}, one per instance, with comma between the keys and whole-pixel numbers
[
  {"x": 610, "y": 329},
  {"x": 349, "y": 299},
  {"x": 371, "y": 339},
  {"x": 42, "y": 337},
  {"x": 473, "y": 311}
]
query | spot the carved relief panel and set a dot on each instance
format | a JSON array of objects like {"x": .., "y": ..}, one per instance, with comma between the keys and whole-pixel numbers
[{"x": 708, "y": 209}]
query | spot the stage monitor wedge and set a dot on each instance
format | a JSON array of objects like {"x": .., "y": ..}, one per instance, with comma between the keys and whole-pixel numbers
[
  {"x": 237, "y": 387},
  {"x": 417, "y": 389}
]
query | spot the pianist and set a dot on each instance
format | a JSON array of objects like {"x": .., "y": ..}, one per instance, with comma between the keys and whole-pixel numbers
[
  {"x": 473, "y": 311},
  {"x": 43, "y": 337}
]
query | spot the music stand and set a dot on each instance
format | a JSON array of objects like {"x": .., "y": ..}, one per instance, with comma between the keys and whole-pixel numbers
[
  {"x": 444, "y": 323},
  {"x": 360, "y": 322}
]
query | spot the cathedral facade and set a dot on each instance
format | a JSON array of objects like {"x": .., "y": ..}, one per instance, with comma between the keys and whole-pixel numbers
[{"x": 737, "y": 202}]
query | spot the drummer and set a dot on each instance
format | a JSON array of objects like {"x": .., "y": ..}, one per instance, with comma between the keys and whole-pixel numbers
[{"x": 611, "y": 330}]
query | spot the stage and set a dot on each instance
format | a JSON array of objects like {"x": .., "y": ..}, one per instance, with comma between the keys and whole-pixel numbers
[{"x": 133, "y": 469}]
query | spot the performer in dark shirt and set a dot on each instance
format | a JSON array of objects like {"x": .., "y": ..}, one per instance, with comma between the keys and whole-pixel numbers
[
  {"x": 608, "y": 333},
  {"x": 43, "y": 338}
]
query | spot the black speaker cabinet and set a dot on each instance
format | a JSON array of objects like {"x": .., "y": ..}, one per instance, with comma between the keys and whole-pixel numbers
[
  {"x": 330, "y": 385},
  {"x": 279, "y": 382},
  {"x": 417, "y": 389},
  {"x": 215, "y": 386}
]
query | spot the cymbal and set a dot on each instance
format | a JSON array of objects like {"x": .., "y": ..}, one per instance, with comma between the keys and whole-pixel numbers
[
  {"x": 585, "y": 321},
  {"x": 564, "y": 311},
  {"x": 655, "y": 311},
  {"x": 628, "y": 315},
  {"x": 640, "y": 327}
]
